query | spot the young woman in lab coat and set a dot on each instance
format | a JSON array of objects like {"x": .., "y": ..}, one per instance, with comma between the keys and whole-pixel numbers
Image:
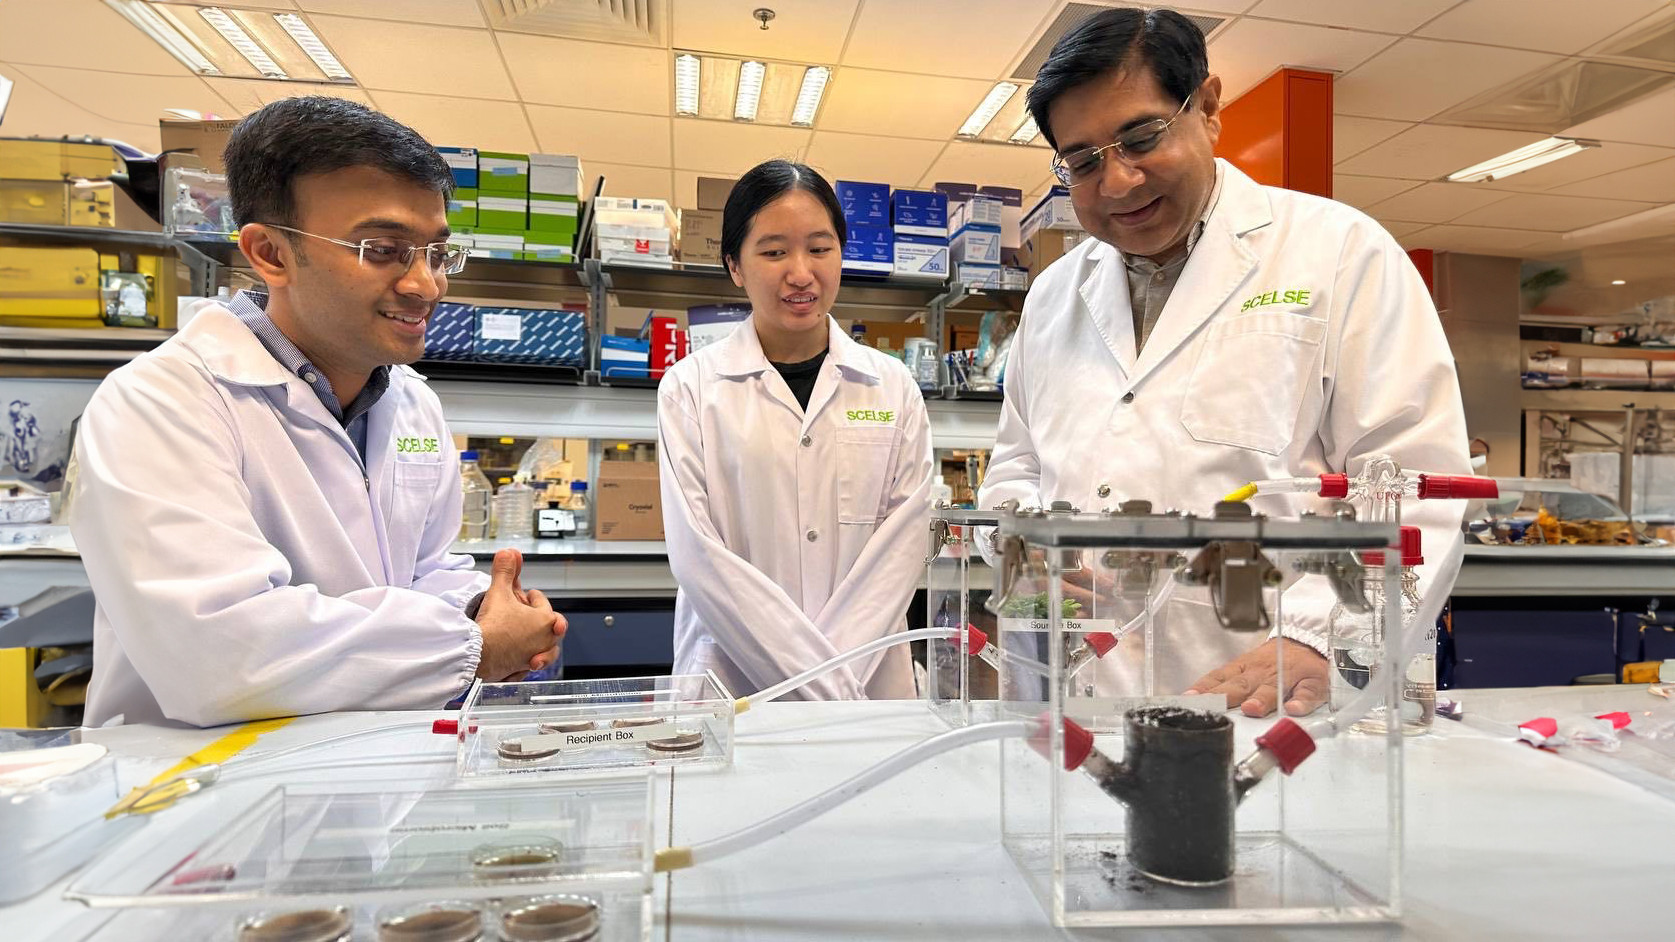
[{"x": 796, "y": 465}]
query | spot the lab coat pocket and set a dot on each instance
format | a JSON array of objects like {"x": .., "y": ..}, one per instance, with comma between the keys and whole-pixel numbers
[
  {"x": 1248, "y": 383},
  {"x": 863, "y": 472},
  {"x": 416, "y": 484}
]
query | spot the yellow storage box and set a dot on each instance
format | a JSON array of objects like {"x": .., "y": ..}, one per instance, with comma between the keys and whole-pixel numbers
[
  {"x": 34, "y": 202},
  {"x": 54, "y": 160},
  {"x": 49, "y": 287}
]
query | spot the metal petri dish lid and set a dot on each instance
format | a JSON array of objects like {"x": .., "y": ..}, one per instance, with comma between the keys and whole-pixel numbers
[
  {"x": 326, "y": 924},
  {"x": 559, "y": 917}
]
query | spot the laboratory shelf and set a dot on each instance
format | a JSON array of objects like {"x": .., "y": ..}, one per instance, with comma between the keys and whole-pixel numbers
[
  {"x": 87, "y": 235},
  {"x": 1597, "y": 400}
]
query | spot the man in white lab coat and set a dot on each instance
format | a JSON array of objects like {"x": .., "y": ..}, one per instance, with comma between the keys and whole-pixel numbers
[
  {"x": 1213, "y": 332},
  {"x": 265, "y": 503}
]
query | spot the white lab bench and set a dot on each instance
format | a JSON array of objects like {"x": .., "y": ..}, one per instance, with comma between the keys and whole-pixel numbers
[{"x": 1503, "y": 841}]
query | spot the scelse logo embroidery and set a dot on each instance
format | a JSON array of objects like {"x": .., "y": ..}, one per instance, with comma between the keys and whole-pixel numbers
[
  {"x": 408, "y": 446},
  {"x": 884, "y": 417},
  {"x": 1297, "y": 296}
]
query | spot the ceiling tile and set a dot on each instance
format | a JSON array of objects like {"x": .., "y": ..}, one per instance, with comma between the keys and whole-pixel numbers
[
  {"x": 1655, "y": 182},
  {"x": 411, "y": 57},
  {"x": 100, "y": 36},
  {"x": 1399, "y": 229},
  {"x": 862, "y": 101},
  {"x": 1586, "y": 165},
  {"x": 809, "y": 31},
  {"x": 134, "y": 99},
  {"x": 1417, "y": 78},
  {"x": 1478, "y": 240},
  {"x": 1548, "y": 25},
  {"x": 1434, "y": 202},
  {"x": 1381, "y": 15},
  {"x": 725, "y": 148},
  {"x": 1351, "y": 135},
  {"x": 650, "y": 183},
  {"x": 1429, "y": 151},
  {"x": 1651, "y": 120},
  {"x": 628, "y": 78},
  {"x": 461, "y": 122},
  {"x": 1250, "y": 50},
  {"x": 1550, "y": 213},
  {"x": 1215, "y": 6},
  {"x": 988, "y": 165},
  {"x": 441, "y": 12},
  {"x": 891, "y": 160},
  {"x": 247, "y": 95},
  {"x": 1362, "y": 192},
  {"x": 935, "y": 39},
  {"x": 602, "y": 135},
  {"x": 35, "y": 110}
]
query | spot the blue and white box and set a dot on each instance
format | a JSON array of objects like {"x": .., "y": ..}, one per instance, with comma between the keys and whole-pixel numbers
[
  {"x": 866, "y": 204},
  {"x": 921, "y": 255},
  {"x": 624, "y": 357},
  {"x": 971, "y": 275},
  {"x": 870, "y": 249},
  {"x": 1055, "y": 211},
  {"x": 978, "y": 211},
  {"x": 531, "y": 335},
  {"x": 450, "y": 333},
  {"x": 712, "y": 323},
  {"x": 976, "y": 244},
  {"x": 919, "y": 213},
  {"x": 462, "y": 163}
]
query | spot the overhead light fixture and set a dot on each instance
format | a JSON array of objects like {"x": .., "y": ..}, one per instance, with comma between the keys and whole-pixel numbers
[
  {"x": 995, "y": 100},
  {"x": 1522, "y": 159},
  {"x": 687, "y": 70},
  {"x": 1619, "y": 281},
  {"x": 809, "y": 95},
  {"x": 1026, "y": 132},
  {"x": 240, "y": 40},
  {"x": 6, "y": 85},
  {"x": 164, "y": 34},
  {"x": 749, "y": 96},
  {"x": 313, "y": 47}
]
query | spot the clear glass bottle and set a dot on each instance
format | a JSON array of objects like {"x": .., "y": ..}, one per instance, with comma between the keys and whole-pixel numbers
[
  {"x": 474, "y": 514},
  {"x": 1358, "y": 641},
  {"x": 580, "y": 507},
  {"x": 514, "y": 511}
]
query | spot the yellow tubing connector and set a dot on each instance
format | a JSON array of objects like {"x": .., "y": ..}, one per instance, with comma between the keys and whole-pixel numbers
[
  {"x": 740, "y": 705},
  {"x": 672, "y": 858},
  {"x": 1243, "y": 493}
]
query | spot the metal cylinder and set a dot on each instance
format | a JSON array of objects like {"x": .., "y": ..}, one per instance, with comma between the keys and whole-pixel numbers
[{"x": 1178, "y": 789}]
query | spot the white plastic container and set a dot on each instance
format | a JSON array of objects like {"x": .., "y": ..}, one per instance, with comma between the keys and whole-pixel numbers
[
  {"x": 52, "y": 805},
  {"x": 474, "y": 512},
  {"x": 514, "y": 511}
]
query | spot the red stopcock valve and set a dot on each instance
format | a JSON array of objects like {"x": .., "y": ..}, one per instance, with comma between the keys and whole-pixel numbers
[
  {"x": 1078, "y": 742},
  {"x": 1457, "y": 487},
  {"x": 1288, "y": 743}
]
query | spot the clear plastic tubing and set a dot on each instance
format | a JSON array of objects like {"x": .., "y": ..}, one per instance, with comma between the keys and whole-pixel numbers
[
  {"x": 877, "y": 644},
  {"x": 675, "y": 858}
]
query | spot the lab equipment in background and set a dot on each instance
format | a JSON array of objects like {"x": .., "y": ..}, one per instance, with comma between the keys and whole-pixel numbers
[
  {"x": 197, "y": 205},
  {"x": 1379, "y": 488},
  {"x": 920, "y": 357},
  {"x": 474, "y": 512},
  {"x": 581, "y": 510},
  {"x": 514, "y": 510},
  {"x": 1357, "y": 641},
  {"x": 554, "y": 522}
]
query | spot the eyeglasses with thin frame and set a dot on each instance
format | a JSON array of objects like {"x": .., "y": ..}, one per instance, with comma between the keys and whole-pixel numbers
[
  {"x": 1132, "y": 146},
  {"x": 442, "y": 258}
]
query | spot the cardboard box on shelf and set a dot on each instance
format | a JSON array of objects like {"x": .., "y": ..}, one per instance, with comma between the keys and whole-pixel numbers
[
  {"x": 713, "y": 193},
  {"x": 700, "y": 237},
  {"x": 628, "y": 503},
  {"x": 976, "y": 244},
  {"x": 561, "y": 214},
  {"x": 624, "y": 357},
  {"x": 890, "y": 336},
  {"x": 555, "y": 175},
  {"x": 1011, "y": 212},
  {"x": 668, "y": 343},
  {"x": 870, "y": 249},
  {"x": 978, "y": 276},
  {"x": 919, "y": 213},
  {"x": 977, "y": 211},
  {"x": 713, "y": 323},
  {"x": 487, "y": 243},
  {"x": 502, "y": 211},
  {"x": 921, "y": 255},
  {"x": 56, "y": 160},
  {"x": 204, "y": 139},
  {"x": 49, "y": 287},
  {"x": 502, "y": 173},
  {"x": 92, "y": 204},
  {"x": 34, "y": 202},
  {"x": 866, "y": 204},
  {"x": 450, "y": 334},
  {"x": 531, "y": 335},
  {"x": 462, "y": 208},
  {"x": 548, "y": 247},
  {"x": 462, "y": 163},
  {"x": 1053, "y": 212},
  {"x": 1046, "y": 246}
]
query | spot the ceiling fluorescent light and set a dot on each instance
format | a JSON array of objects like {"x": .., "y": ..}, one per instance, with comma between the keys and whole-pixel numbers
[
  {"x": 240, "y": 40},
  {"x": 687, "y": 70},
  {"x": 808, "y": 97},
  {"x": 750, "y": 90},
  {"x": 992, "y": 103},
  {"x": 1524, "y": 158},
  {"x": 1026, "y": 132},
  {"x": 312, "y": 45},
  {"x": 1618, "y": 281},
  {"x": 164, "y": 34}
]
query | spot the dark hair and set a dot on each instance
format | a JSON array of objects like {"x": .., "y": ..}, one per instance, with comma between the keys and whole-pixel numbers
[
  {"x": 1171, "y": 44},
  {"x": 763, "y": 184},
  {"x": 294, "y": 137}
]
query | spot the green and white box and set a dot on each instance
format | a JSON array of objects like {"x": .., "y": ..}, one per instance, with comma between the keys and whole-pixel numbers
[
  {"x": 499, "y": 172},
  {"x": 500, "y": 244},
  {"x": 502, "y": 212},
  {"x": 462, "y": 208},
  {"x": 560, "y": 214},
  {"x": 549, "y": 246},
  {"x": 555, "y": 175}
]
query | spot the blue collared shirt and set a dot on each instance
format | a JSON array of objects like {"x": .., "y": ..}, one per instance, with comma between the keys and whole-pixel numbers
[{"x": 251, "y": 308}]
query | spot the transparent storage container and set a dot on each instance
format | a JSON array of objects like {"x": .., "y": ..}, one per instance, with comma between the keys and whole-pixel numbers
[
  {"x": 367, "y": 851},
  {"x": 960, "y": 687},
  {"x": 197, "y": 205},
  {"x": 558, "y": 727},
  {"x": 52, "y": 806},
  {"x": 1320, "y": 846}
]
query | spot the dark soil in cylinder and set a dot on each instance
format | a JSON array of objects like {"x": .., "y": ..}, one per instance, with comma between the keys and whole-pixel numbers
[{"x": 1179, "y": 794}]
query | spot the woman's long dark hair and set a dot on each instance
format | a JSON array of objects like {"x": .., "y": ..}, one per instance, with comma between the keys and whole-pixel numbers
[{"x": 765, "y": 183}]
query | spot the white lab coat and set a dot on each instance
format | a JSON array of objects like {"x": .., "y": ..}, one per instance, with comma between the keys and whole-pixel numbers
[
  {"x": 794, "y": 536},
  {"x": 244, "y": 565},
  {"x": 1223, "y": 393}
]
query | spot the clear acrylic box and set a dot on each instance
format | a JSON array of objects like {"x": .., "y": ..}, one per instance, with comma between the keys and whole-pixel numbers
[
  {"x": 960, "y": 687},
  {"x": 372, "y": 848},
  {"x": 197, "y": 205},
  {"x": 556, "y": 727},
  {"x": 1320, "y": 846}
]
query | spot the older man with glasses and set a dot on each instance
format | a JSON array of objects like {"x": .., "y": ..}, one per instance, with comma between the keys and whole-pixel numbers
[
  {"x": 265, "y": 503},
  {"x": 1213, "y": 332}
]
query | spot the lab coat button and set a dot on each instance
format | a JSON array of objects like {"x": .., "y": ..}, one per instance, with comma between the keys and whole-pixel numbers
[
  {"x": 1104, "y": 490},
  {"x": 808, "y": 440},
  {"x": 308, "y": 377},
  {"x": 813, "y": 535},
  {"x": 1128, "y": 396}
]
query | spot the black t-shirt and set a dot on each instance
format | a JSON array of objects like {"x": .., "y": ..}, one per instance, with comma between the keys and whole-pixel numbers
[{"x": 801, "y": 376}]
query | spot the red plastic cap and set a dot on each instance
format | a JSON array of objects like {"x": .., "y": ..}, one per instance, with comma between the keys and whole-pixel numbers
[
  {"x": 1334, "y": 486},
  {"x": 1617, "y": 720},
  {"x": 1413, "y": 543},
  {"x": 1289, "y": 743},
  {"x": 975, "y": 639},
  {"x": 1078, "y": 742},
  {"x": 1457, "y": 487},
  {"x": 447, "y": 727},
  {"x": 1101, "y": 641},
  {"x": 1544, "y": 726}
]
